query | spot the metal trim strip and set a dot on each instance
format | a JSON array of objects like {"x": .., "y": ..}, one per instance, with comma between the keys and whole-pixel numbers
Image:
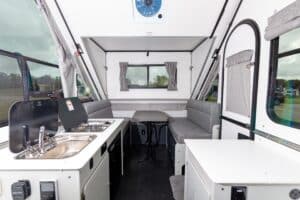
[{"x": 278, "y": 140}]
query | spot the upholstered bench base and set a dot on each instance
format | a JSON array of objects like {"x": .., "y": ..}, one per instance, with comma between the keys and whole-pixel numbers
[{"x": 177, "y": 185}]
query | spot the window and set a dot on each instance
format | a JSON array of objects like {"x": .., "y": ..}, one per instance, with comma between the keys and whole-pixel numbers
[
  {"x": 43, "y": 80},
  {"x": 39, "y": 80},
  {"x": 147, "y": 76},
  {"x": 11, "y": 87},
  {"x": 284, "y": 94},
  {"x": 212, "y": 95},
  {"x": 83, "y": 91},
  {"x": 24, "y": 30}
]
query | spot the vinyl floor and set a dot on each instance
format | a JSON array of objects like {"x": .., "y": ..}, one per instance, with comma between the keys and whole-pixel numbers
[{"x": 148, "y": 180}]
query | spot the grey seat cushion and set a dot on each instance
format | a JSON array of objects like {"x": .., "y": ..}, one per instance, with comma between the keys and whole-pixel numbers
[
  {"x": 183, "y": 128},
  {"x": 102, "y": 109},
  {"x": 177, "y": 185},
  {"x": 98, "y": 109},
  {"x": 205, "y": 114}
]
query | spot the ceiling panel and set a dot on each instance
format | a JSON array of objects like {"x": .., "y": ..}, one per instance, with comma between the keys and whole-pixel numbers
[{"x": 148, "y": 43}]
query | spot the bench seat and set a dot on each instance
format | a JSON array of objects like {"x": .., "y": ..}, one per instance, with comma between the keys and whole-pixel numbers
[
  {"x": 201, "y": 117},
  {"x": 199, "y": 124},
  {"x": 102, "y": 110},
  {"x": 183, "y": 128},
  {"x": 177, "y": 185},
  {"x": 98, "y": 109}
]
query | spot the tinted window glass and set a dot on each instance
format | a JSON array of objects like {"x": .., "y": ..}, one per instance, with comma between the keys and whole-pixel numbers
[
  {"x": 147, "y": 77},
  {"x": 289, "y": 41},
  {"x": 44, "y": 79},
  {"x": 24, "y": 30},
  {"x": 11, "y": 89},
  {"x": 213, "y": 92},
  {"x": 287, "y": 98},
  {"x": 158, "y": 77},
  {"x": 83, "y": 91},
  {"x": 284, "y": 99},
  {"x": 137, "y": 76}
]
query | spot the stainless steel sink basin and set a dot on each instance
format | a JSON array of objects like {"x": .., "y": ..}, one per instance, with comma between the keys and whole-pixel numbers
[{"x": 65, "y": 146}]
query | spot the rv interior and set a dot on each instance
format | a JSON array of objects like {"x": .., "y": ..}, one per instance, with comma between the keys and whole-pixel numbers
[{"x": 150, "y": 100}]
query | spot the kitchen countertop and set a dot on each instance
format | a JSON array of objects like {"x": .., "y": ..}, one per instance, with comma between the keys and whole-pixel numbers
[
  {"x": 243, "y": 162},
  {"x": 8, "y": 161}
]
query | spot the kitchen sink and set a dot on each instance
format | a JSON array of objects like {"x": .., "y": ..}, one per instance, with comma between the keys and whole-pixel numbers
[{"x": 60, "y": 147}]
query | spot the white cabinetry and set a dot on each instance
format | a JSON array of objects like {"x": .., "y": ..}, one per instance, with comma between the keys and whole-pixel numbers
[
  {"x": 97, "y": 187},
  {"x": 239, "y": 170},
  {"x": 194, "y": 186}
]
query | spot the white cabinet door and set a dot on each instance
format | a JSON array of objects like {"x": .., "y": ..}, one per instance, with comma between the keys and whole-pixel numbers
[
  {"x": 97, "y": 187},
  {"x": 194, "y": 187}
]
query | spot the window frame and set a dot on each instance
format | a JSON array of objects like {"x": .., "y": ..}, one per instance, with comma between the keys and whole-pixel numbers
[
  {"x": 25, "y": 73},
  {"x": 273, "y": 72},
  {"x": 147, "y": 66},
  {"x": 4, "y": 123}
]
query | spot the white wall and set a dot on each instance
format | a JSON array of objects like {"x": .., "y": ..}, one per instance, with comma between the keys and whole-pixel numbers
[
  {"x": 199, "y": 58},
  {"x": 116, "y": 18},
  {"x": 4, "y": 134},
  {"x": 219, "y": 34},
  {"x": 63, "y": 29},
  {"x": 260, "y": 11},
  {"x": 231, "y": 131},
  {"x": 183, "y": 79},
  {"x": 98, "y": 59},
  {"x": 183, "y": 18}
]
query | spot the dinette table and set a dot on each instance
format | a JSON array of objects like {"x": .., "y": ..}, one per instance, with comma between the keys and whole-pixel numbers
[{"x": 150, "y": 118}]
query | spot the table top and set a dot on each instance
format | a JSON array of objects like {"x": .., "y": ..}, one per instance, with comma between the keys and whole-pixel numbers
[{"x": 150, "y": 116}]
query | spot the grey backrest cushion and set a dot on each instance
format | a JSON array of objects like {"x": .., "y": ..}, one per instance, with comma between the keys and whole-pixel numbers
[
  {"x": 205, "y": 114},
  {"x": 98, "y": 109}
]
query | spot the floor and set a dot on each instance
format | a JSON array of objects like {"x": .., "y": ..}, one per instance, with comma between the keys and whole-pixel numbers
[{"x": 148, "y": 180}]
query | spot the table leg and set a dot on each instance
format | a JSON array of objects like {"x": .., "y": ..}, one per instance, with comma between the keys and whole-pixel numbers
[{"x": 150, "y": 151}]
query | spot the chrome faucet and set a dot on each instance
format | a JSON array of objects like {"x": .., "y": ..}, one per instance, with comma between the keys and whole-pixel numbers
[{"x": 41, "y": 139}]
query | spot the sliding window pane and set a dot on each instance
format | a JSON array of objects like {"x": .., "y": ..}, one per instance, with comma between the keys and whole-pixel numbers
[
  {"x": 137, "y": 77},
  {"x": 287, "y": 95},
  {"x": 289, "y": 41},
  {"x": 44, "y": 79},
  {"x": 212, "y": 95},
  {"x": 24, "y": 30},
  {"x": 11, "y": 89},
  {"x": 158, "y": 77},
  {"x": 83, "y": 91}
]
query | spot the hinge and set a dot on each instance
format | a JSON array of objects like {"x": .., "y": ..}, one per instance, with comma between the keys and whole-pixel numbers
[
  {"x": 216, "y": 54},
  {"x": 79, "y": 49}
]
